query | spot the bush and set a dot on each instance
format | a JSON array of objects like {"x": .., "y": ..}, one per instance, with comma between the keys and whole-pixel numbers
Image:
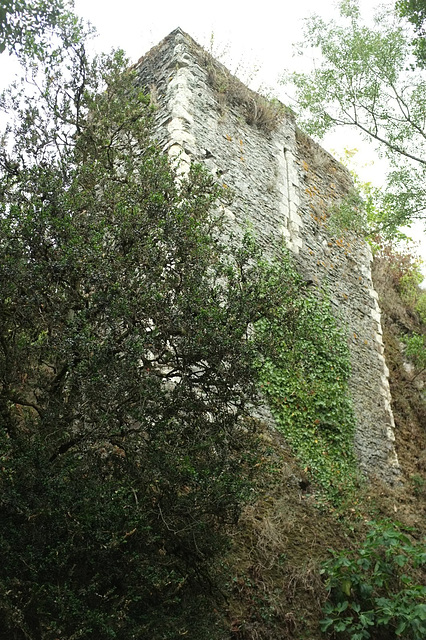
[
  {"x": 126, "y": 364},
  {"x": 415, "y": 349},
  {"x": 421, "y": 306},
  {"x": 409, "y": 286},
  {"x": 377, "y": 590},
  {"x": 404, "y": 269}
]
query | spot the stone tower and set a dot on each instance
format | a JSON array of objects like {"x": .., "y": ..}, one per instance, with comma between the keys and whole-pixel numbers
[{"x": 284, "y": 185}]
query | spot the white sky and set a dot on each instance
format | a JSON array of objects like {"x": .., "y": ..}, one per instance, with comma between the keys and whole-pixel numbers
[
  {"x": 257, "y": 35},
  {"x": 262, "y": 34}
]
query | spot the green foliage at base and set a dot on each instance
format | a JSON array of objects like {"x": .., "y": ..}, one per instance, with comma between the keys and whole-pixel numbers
[
  {"x": 128, "y": 364},
  {"x": 305, "y": 380},
  {"x": 86, "y": 553},
  {"x": 376, "y": 591}
]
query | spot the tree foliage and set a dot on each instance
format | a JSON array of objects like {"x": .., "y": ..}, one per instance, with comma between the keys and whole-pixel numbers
[
  {"x": 27, "y": 26},
  {"x": 366, "y": 79},
  {"x": 415, "y": 12},
  {"x": 127, "y": 362}
]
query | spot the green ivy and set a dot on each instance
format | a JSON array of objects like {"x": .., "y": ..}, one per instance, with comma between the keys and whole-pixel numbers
[{"x": 305, "y": 381}]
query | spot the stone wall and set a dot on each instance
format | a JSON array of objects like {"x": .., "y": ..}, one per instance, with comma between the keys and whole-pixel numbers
[{"x": 283, "y": 185}]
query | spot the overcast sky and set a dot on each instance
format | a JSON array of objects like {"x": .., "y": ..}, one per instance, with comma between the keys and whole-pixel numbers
[{"x": 264, "y": 31}]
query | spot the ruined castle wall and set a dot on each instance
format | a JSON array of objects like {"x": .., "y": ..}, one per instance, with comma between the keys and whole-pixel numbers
[
  {"x": 283, "y": 185},
  {"x": 342, "y": 264}
]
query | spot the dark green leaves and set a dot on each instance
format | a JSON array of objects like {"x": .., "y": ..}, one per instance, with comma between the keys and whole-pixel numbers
[
  {"x": 377, "y": 587},
  {"x": 305, "y": 379},
  {"x": 127, "y": 363}
]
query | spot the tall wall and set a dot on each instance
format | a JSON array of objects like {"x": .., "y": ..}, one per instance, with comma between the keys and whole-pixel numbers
[{"x": 284, "y": 183}]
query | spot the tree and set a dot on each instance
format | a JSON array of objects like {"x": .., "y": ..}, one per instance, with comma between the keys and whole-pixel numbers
[
  {"x": 415, "y": 12},
  {"x": 127, "y": 361},
  {"x": 25, "y": 26},
  {"x": 366, "y": 79}
]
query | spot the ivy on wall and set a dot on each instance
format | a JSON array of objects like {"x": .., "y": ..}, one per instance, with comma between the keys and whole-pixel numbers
[{"x": 305, "y": 380}]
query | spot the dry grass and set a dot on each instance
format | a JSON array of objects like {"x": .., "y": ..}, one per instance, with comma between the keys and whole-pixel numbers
[
  {"x": 408, "y": 503},
  {"x": 257, "y": 110},
  {"x": 282, "y": 538}
]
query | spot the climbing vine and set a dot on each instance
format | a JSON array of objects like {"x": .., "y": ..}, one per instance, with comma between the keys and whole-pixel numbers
[{"x": 305, "y": 381}]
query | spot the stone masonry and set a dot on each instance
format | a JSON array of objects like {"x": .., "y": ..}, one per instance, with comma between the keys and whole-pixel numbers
[{"x": 284, "y": 185}]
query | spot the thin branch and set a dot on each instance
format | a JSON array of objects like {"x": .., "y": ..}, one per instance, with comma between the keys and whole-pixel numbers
[
  {"x": 376, "y": 136},
  {"x": 64, "y": 448},
  {"x": 401, "y": 103}
]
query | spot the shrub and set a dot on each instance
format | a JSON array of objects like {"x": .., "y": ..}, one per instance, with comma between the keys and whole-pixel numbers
[
  {"x": 126, "y": 365},
  {"x": 415, "y": 349},
  {"x": 376, "y": 591},
  {"x": 404, "y": 269},
  {"x": 409, "y": 285},
  {"x": 421, "y": 306}
]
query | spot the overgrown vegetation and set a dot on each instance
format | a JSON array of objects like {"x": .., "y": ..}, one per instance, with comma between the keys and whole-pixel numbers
[
  {"x": 139, "y": 498},
  {"x": 404, "y": 335},
  {"x": 305, "y": 381},
  {"x": 404, "y": 270},
  {"x": 377, "y": 590},
  {"x": 258, "y": 110},
  {"x": 126, "y": 364},
  {"x": 283, "y": 539},
  {"x": 127, "y": 361},
  {"x": 415, "y": 350}
]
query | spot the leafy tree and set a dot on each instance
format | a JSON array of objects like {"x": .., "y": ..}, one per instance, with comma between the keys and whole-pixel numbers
[
  {"x": 25, "y": 26},
  {"x": 126, "y": 362},
  {"x": 415, "y": 12},
  {"x": 365, "y": 79}
]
